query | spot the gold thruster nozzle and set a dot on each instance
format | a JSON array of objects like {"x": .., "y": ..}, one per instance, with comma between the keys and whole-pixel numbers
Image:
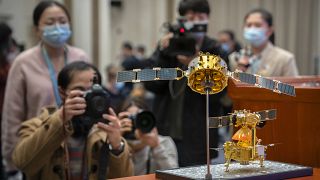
[{"x": 207, "y": 72}]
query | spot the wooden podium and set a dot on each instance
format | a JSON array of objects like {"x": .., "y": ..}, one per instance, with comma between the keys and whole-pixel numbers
[{"x": 297, "y": 127}]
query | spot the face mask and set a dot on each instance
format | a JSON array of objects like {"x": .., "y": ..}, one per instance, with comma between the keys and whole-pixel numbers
[
  {"x": 225, "y": 47},
  {"x": 198, "y": 35},
  {"x": 119, "y": 85},
  {"x": 56, "y": 35},
  {"x": 255, "y": 36}
]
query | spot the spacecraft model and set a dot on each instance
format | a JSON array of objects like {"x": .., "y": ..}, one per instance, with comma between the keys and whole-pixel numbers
[
  {"x": 245, "y": 147},
  {"x": 207, "y": 74}
]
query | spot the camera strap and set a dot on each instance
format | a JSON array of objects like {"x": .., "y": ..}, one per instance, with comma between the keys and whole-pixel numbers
[
  {"x": 52, "y": 73},
  {"x": 148, "y": 162},
  {"x": 103, "y": 161}
]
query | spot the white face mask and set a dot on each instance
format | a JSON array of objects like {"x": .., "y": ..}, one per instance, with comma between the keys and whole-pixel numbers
[{"x": 255, "y": 36}]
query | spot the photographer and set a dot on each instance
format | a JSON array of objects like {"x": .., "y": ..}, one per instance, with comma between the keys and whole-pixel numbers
[
  {"x": 179, "y": 110},
  {"x": 62, "y": 144},
  {"x": 150, "y": 151}
]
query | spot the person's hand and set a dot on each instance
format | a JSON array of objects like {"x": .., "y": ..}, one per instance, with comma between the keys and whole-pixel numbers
[
  {"x": 151, "y": 139},
  {"x": 164, "y": 41},
  {"x": 112, "y": 128},
  {"x": 74, "y": 105},
  {"x": 185, "y": 59},
  {"x": 243, "y": 63},
  {"x": 126, "y": 123}
]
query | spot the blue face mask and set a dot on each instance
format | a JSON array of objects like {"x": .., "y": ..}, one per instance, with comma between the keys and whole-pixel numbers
[
  {"x": 255, "y": 36},
  {"x": 225, "y": 47},
  {"x": 119, "y": 85},
  {"x": 56, "y": 35}
]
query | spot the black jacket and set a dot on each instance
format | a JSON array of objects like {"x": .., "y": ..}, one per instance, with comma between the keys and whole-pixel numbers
[{"x": 181, "y": 112}]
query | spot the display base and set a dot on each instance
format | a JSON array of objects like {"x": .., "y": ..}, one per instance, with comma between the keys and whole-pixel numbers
[{"x": 271, "y": 170}]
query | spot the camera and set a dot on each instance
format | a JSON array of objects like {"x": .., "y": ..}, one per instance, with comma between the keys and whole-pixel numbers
[
  {"x": 143, "y": 120},
  {"x": 184, "y": 37},
  {"x": 98, "y": 102}
]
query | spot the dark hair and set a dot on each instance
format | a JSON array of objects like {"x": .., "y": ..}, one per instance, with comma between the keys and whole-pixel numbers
[
  {"x": 134, "y": 101},
  {"x": 66, "y": 74},
  {"x": 141, "y": 48},
  {"x": 5, "y": 34},
  {"x": 201, "y": 6},
  {"x": 127, "y": 45},
  {"x": 230, "y": 34},
  {"x": 266, "y": 16},
  {"x": 42, "y": 6}
]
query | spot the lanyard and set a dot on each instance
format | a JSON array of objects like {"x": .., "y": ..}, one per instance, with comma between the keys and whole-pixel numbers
[{"x": 53, "y": 75}]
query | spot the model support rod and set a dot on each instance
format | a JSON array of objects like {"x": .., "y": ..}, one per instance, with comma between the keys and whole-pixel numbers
[{"x": 208, "y": 175}]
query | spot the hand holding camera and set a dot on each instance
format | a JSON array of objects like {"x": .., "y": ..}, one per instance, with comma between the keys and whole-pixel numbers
[
  {"x": 138, "y": 126},
  {"x": 112, "y": 128},
  {"x": 183, "y": 37},
  {"x": 74, "y": 105},
  {"x": 243, "y": 58},
  {"x": 86, "y": 108},
  {"x": 165, "y": 40},
  {"x": 151, "y": 139}
]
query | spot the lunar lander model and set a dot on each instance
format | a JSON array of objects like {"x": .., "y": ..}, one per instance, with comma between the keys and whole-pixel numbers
[
  {"x": 207, "y": 74},
  {"x": 245, "y": 147}
]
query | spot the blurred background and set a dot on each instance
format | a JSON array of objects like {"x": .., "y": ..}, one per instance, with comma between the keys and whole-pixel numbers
[{"x": 101, "y": 26}]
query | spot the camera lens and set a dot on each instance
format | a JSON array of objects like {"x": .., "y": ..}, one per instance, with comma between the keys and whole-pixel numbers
[{"x": 145, "y": 121}]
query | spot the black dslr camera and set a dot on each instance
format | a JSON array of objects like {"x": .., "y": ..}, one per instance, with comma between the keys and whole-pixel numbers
[
  {"x": 144, "y": 120},
  {"x": 98, "y": 102},
  {"x": 183, "y": 41}
]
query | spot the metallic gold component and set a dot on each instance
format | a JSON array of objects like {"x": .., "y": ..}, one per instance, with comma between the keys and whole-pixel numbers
[
  {"x": 182, "y": 73},
  {"x": 136, "y": 81},
  {"x": 207, "y": 72},
  {"x": 234, "y": 75},
  {"x": 245, "y": 146},
  {"x": 258, "y": 83},
  {"x": 156, "y": 69},
  {"x": 136, "y": 70},
  {"x": 276, "y": 86}
]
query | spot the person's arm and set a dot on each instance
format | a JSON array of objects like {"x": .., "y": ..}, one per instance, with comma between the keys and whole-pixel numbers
[
  {"x": 290, "y": 68},
  {"x": 165, "y": 154},
  {"x": 163, "y": 149},
  {"x": 14, "y": 111},
  {"x": 39, "y": 139},
  {"x": 120, "y": 163}
]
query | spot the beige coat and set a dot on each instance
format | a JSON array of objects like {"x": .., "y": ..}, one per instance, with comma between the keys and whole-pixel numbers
[
  {"x": 274, "y": 62},
  {"x": 39, "y": 152},
  {"x": 29, "y": 88}
]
